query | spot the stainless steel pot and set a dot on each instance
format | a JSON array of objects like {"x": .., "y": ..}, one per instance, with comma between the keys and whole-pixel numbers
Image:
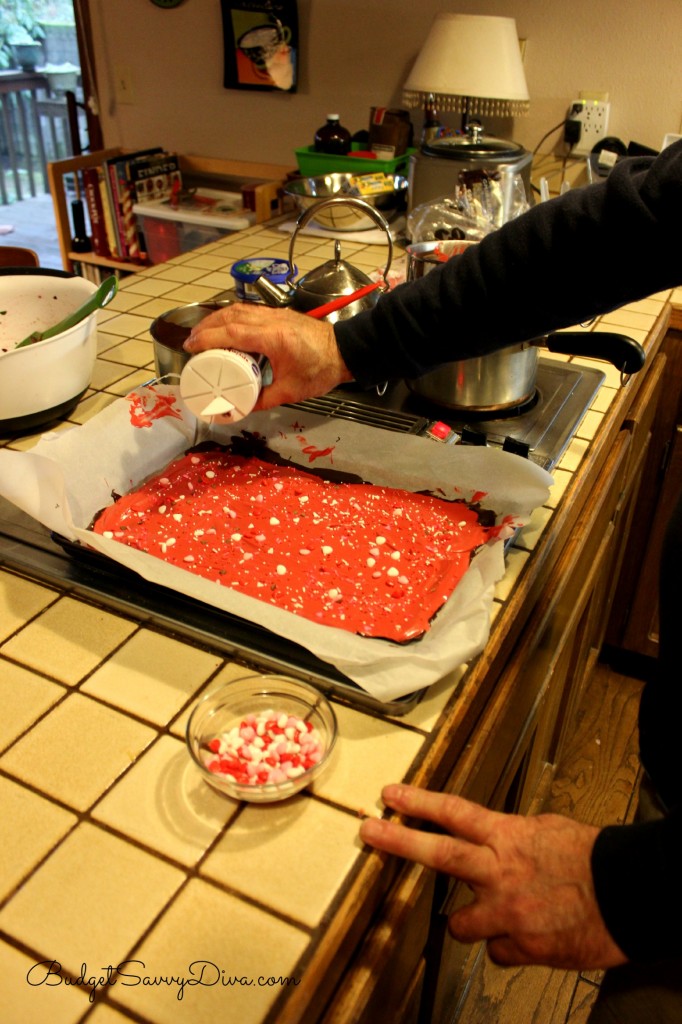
[
  {"x": 505, "y": 379},
  {"x": 170, "y": 330}
]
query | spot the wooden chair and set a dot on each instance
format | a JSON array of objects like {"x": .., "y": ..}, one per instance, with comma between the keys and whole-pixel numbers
[{"x": 17, "y": 256}]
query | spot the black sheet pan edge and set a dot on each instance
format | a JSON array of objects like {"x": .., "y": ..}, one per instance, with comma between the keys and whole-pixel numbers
[{"x": 57, "y": 561}]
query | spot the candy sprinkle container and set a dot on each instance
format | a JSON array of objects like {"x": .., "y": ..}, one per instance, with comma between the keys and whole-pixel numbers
[{"x": 261, "y": 738}]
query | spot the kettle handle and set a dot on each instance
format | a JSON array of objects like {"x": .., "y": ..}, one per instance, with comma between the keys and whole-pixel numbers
[{"x": 367, "y": 208}]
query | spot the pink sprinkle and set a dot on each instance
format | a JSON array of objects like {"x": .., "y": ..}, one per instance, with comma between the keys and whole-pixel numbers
[{"x": 254, "y": 752}]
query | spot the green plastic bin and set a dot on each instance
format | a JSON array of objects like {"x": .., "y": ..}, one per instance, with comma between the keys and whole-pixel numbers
[{"x": 312, "y": 164}]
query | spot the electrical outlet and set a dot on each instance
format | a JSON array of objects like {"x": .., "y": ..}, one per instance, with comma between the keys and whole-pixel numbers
[{"x": 593, "y": 116}]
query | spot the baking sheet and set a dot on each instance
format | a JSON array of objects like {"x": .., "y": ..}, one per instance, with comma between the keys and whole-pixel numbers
[{"x": 70, "y": 475}]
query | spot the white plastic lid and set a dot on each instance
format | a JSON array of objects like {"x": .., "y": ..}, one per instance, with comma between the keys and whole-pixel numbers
[{"x": 221, "y": 383}]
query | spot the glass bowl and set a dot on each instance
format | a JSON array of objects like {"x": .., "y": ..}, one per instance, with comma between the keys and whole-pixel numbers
[{"x": 244, "y": 737}]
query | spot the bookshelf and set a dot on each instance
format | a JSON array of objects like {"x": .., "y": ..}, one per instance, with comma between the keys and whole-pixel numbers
[{"x": 260, "y": 184}]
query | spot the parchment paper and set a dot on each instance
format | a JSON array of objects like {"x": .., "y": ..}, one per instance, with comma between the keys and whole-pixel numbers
[{"x": 70, "y": 476}]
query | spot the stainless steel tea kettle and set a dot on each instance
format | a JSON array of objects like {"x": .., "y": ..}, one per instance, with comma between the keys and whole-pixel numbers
[{"x": 331, "y": 280}]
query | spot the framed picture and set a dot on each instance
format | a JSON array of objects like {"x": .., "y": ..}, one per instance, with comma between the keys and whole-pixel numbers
[{"x": 261, "y": 44}]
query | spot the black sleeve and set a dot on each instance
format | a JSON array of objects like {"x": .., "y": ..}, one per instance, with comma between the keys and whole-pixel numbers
[
  {"x": 560, "y": 264},
  {"x": 638, "y": 883}
]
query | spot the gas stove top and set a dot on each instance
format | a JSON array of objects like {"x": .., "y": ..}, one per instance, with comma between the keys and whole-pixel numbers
[{"x": 540, "y": 431}]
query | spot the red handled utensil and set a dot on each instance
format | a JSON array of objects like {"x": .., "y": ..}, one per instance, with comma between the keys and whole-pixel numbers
[{"x": 343, "y": 300}]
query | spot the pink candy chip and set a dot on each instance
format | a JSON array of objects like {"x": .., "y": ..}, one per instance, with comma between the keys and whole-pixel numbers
[{"x": 268, "y": 748}]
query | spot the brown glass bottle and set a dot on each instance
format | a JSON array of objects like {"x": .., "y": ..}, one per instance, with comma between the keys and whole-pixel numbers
[
  {"x": 431, "y": 123},
  {"x": 332, "y": 137}
]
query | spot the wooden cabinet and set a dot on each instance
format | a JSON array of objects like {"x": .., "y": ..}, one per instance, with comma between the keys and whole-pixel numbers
[
  {"x": 260, "y": 184},
  {"x": 503, "y": 736},
  {"x": 634, "y": 623}
]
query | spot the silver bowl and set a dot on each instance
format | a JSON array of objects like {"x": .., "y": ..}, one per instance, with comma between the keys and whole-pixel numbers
[
  {"x": 170, "y": 330},
  {"x": 309, "y": 191}
]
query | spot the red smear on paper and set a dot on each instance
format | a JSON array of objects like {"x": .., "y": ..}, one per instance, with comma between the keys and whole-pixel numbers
[
  {"x": 148, "y": 406},
  {"x": 315, "y": 453}
]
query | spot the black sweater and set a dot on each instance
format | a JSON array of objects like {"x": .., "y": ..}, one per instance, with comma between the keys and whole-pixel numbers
[{"x": 562, "y": 263}]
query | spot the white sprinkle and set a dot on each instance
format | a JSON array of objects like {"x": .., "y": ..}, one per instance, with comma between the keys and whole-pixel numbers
[
  {"x": 404, "y": 580},
  {"x": 281, "y": 570},
  {"x": 393, "y": 571},
  {"x": 326, "y": 550},
  {"x": 195, "y": 460},
  {"x": 304, "y": 551},
  {"x": 162, "y": 509},
  {"x": 379, "y": 540},
  {"x": 188, "y": 558},
  {"x": 177, "y": 516},
  {"x": 164, "y": 481},
  {"x": 274, "y": 521},
  {"x": 170, "y": 541},
  {"x": 236, "y": 536},
  {"x": 334, "y": 594},
  {"x": 209, "y": 474},
  {"x": 376, "y": 575},
  {"x": 371, "y": 562},
  {"x": 109, "y": 534},
  {"x": 303, "y": 499},
  {"x": 395, "y": 555}
]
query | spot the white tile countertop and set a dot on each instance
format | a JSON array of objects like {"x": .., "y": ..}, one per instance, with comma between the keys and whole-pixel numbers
[{"x": 114, "y": 851}]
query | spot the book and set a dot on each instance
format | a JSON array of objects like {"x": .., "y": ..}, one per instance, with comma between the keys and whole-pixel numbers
[
  {"x": 154, "y": 177},
  {"x": 93, "y": 201},
  {"x": 110, "y": 230},
  {"x": 123, "y": 218}
]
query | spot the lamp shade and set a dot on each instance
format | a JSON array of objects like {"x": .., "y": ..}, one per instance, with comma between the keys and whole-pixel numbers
[{"x": 470, "y": 62}]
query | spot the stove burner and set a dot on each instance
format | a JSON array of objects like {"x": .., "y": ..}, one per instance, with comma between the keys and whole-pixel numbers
[
  {"x": 422, "y": 406},
  {"x": 540, "y": 428}
]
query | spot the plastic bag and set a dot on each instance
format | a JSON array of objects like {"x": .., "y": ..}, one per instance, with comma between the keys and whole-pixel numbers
[{"x": 482, "y": 202}]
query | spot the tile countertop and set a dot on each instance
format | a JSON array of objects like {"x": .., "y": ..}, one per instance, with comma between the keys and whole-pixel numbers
[{"x": 114, "y": 852}]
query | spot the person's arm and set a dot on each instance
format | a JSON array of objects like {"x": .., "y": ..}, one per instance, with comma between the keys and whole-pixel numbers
[
  {"x": 560, "y": 264},
  {"x": 638, "y": 885}
]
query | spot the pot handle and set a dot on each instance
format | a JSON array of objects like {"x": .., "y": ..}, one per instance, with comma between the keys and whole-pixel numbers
[
  {"x": 339, "y": 200},
  {"x": 626, "y": 354}
]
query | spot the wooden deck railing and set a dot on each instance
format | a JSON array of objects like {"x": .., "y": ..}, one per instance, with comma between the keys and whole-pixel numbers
[{"x": 36, "y": 126}]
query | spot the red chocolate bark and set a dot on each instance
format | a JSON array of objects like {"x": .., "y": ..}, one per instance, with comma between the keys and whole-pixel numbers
[{"x": 376, "y": 561}]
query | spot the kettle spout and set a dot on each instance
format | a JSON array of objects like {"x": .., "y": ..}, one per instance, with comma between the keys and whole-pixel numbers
[{"x": 273, "y": 294}]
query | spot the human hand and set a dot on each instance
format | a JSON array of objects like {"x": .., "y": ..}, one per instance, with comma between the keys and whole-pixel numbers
[
  {"x": 302, "y": 351},
  {"x": 534, "y": 899}
]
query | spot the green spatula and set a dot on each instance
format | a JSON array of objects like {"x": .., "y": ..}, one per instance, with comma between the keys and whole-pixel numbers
[{"x": 97, "y": 300}]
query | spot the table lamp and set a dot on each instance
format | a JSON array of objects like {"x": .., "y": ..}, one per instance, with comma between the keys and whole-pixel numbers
[{"x": 470, "y": 64}]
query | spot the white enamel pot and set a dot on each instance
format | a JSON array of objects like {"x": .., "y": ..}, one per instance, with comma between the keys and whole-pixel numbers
[{"x": 43, "y": 381}]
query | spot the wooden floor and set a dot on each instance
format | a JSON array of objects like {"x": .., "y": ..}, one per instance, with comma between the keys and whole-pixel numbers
[{"x": 596, "y": 783}]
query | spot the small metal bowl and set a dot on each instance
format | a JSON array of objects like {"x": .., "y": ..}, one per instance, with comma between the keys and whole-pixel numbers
[
  {"x": 226, "y": 709},
  {"x": 308, "y": 191},
  {"x": 170, "y": 330}
]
